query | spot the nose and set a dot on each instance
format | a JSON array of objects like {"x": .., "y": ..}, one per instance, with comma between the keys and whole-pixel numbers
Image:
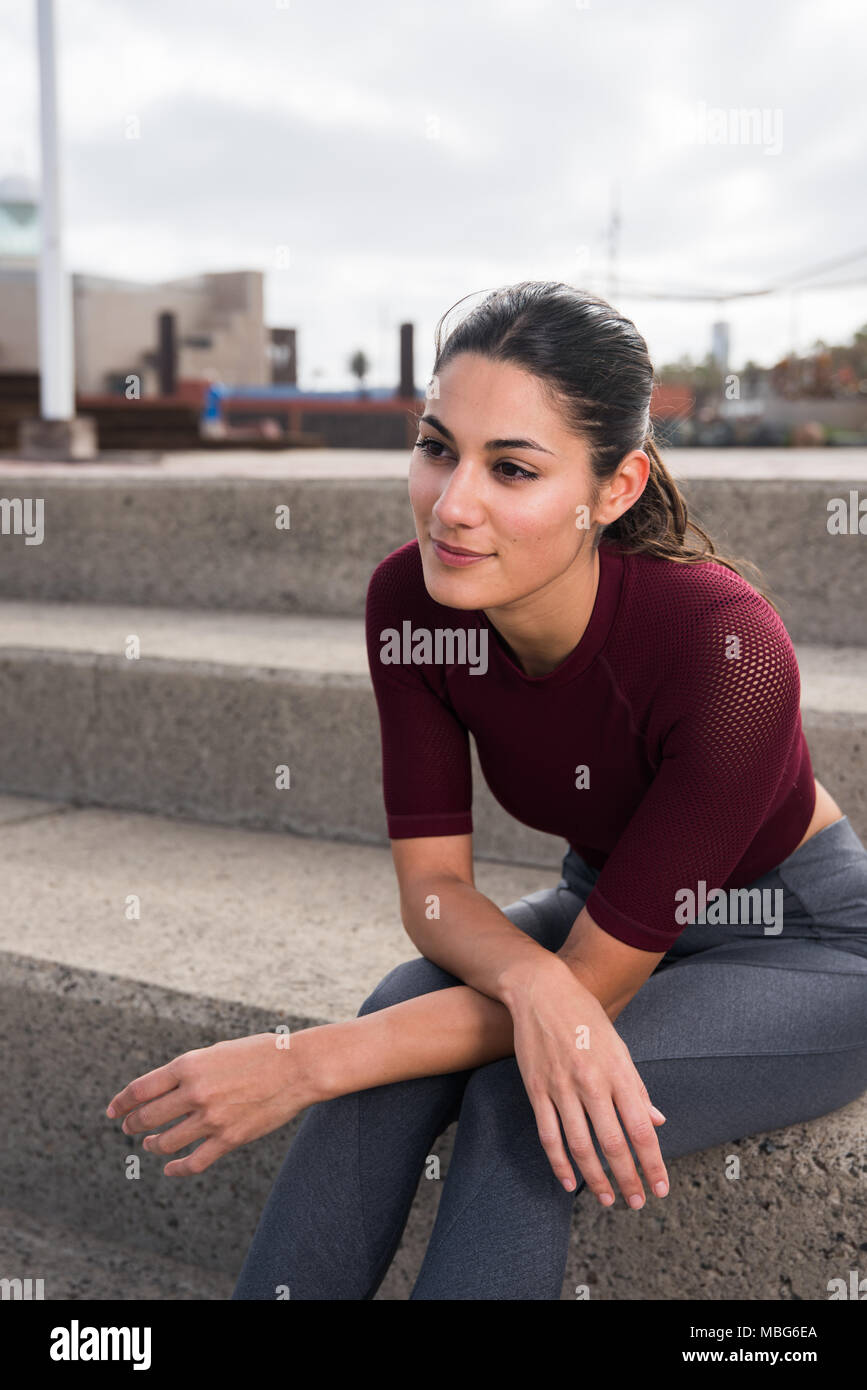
[{"x": 459, "y": 503}]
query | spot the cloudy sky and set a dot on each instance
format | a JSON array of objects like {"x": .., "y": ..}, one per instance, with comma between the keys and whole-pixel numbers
[{"x": 381, "y": 160}]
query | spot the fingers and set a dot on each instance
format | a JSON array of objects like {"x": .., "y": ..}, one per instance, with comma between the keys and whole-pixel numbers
[
  {"x": 548, "y": 1125},
  {"x": 583, "y": 1149},
  {"x": 177, "y": 1137},
  {"x": 158, "y": 1112},
  {"x": 200, "y": 1159},
  {"x": 612, "y": 1142},
  {"x": 147, "y": 1087},
  {"x": 635, "y": 1121},
  {"x": 639, "y": 1126}
]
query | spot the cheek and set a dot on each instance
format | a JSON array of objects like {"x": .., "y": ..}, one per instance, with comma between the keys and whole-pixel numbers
[
  {"x": 543, "y": 524},
  {"x": 423, "y": 489}
]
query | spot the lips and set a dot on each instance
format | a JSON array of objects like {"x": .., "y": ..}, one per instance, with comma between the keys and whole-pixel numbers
[{"x": 459, "y": 550}]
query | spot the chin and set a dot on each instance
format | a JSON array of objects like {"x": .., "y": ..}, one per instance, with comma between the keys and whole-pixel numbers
[
  {"x": 454, "y": 590},
  {"x": 452, "y": 595}
]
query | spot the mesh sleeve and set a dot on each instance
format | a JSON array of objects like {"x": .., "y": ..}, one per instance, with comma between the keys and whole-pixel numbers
[
  {"x": 426, "y": 768},
  {"x": 729, "y": 716}
]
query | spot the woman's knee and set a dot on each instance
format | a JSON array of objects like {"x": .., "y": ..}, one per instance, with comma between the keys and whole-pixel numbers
[
  {"x": 407, "y": 981},
  {"x": 498, "y": 1088}
]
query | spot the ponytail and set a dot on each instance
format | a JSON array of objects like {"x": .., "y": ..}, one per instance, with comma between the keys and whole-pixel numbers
[{"x": 657, "y": 524}]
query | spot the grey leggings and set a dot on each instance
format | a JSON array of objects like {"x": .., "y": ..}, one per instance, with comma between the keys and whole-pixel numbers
[{"x": 738, "y": 1030}]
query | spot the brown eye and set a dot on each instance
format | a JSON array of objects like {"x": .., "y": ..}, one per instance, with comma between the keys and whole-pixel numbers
[
  {"x": 426, "y": 444},
  {"x": 511, "y": 478},
  {"x": 424, "y": 447}
]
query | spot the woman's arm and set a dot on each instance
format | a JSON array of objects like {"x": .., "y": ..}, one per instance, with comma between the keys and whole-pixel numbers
[
  {"x": 458, "y": 928},
  {"x": 457, "y": 1028},
  {"x": 447, "y": 1030},
  {"x": 238, "y": 1090}
]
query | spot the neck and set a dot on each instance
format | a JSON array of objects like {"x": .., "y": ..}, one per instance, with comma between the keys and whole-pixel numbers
[{"x": 544, "y": 627}]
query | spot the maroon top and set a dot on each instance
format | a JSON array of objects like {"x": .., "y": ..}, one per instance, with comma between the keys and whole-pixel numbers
[{"x": 667, "y": 747}]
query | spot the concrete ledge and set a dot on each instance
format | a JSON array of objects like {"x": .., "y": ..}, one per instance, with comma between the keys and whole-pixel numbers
[
  {"x": 212, "y": 542},
  {"x": 302, "y": 929},
  {"x": 240, "y": 932},
  {"x": 79, "y": 1267},
  {"x": 757, "y": 463},
  {"x": 197, "y": 726},
  {"x": 794, "y": 1220}
]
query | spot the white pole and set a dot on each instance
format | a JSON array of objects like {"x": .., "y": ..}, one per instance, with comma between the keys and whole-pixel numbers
[{"x": 56, "y": 370}]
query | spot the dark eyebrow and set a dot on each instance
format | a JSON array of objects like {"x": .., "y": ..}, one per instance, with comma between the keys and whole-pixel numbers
[{"x": 492, "y": 443}]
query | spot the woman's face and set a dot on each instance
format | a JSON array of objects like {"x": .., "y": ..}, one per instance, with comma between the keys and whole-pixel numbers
[{"x": 499, "y": 474}]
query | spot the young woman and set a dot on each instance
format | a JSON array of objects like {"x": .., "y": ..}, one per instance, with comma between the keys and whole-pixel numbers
[{"x": 636, "y": 697}]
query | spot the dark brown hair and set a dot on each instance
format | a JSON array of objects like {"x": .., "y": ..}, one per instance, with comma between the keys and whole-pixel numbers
[{"x": 596, "y": 367}]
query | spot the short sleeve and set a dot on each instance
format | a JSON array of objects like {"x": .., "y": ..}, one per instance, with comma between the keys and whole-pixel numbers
[
  {"x": 426, "y": 767},
  {"x": 728, "y": 720}
]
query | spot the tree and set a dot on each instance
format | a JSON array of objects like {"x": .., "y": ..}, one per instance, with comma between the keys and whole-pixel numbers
[{"x": 359, "y": 366}]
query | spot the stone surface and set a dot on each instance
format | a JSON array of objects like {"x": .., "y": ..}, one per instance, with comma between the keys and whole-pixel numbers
[
  {"x": 76, "y": 1266},
  {"x": 240, "y": 932},
  {"x": 210, "y": 541},
  {"x": 198, "y": 724},
  {"x": 300, "y": 928},
  {"x": 793, "y": 1220},
  {"x": 394, "y": 463}
]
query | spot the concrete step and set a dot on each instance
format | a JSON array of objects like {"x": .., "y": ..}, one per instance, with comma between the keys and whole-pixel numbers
[
  {"x": 75, "y": 1265},
  {"x": 239, "y": 932},
  {"x": 242, "y": 931},
  {"x": 203, "y": 539},
  {"x": 196, "y": 727}
]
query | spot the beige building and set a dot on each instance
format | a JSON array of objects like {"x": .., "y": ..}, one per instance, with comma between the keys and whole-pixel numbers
[
  {"x": 219, "y": 317},
  {"x": 221, "y": 335}
]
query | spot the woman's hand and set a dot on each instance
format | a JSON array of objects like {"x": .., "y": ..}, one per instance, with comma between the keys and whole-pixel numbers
[
  {"x": 573, "y": 1060},
  {"x": 228, "y": 1094}
]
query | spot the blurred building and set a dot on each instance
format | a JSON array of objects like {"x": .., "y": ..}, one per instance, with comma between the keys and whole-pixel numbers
[
  {"x": 719, "y": 345},
  {"x": 206, "y": 369},
  {"x": 218, "y": 329},
  {"x": 220, "y": 334}
]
